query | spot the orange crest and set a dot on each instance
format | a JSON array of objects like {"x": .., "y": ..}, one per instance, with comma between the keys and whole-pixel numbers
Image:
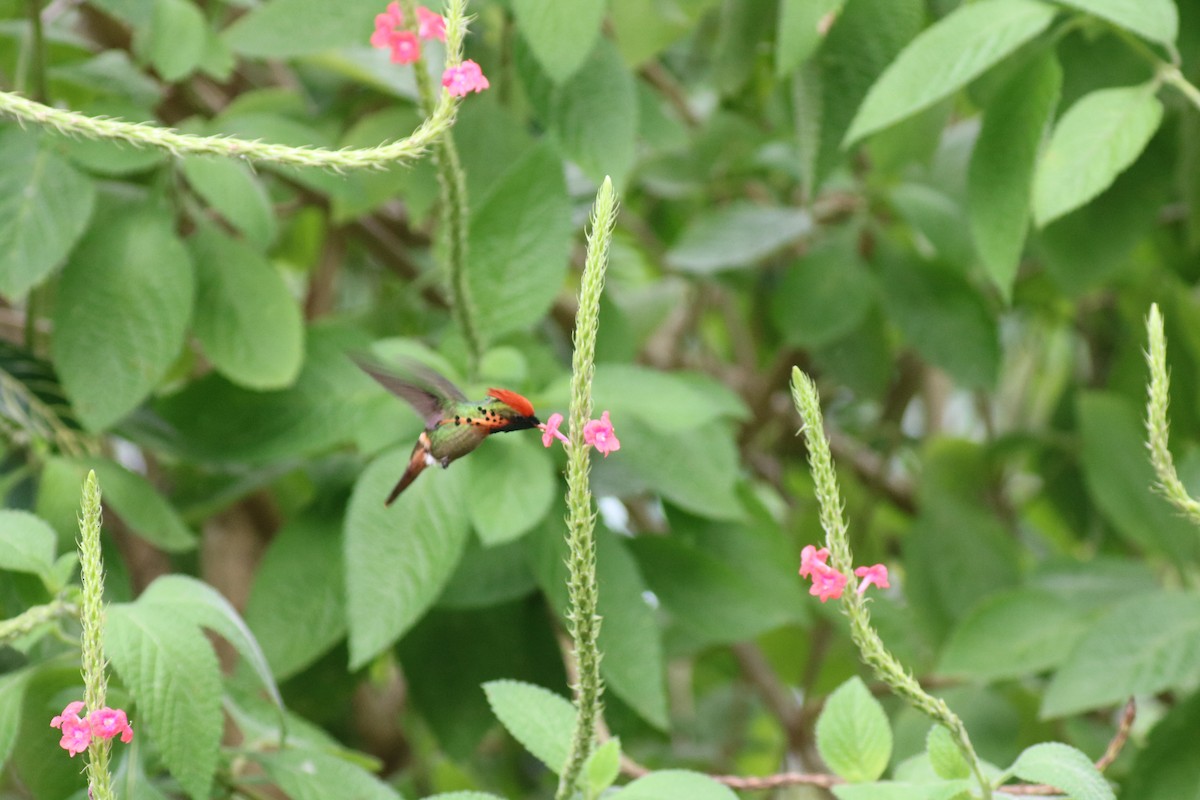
[{"x": 517, "y": 402}]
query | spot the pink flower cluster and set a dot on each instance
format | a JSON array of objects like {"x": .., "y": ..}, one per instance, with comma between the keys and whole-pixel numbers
[
  {"x": 390, "y": 34},
  {"x": 77, "y": 732},
  {"x": 828, "y": 583},
  {"x": 598, "y": 433}
]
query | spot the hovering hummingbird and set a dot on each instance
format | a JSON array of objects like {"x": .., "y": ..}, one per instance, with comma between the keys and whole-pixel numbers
[{"x": 454, "y": 425}]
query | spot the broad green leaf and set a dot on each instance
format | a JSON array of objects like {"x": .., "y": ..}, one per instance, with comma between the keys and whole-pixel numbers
[
  {"x": 172, "y": 671},
  {"x": 943, "y": 316},
  {"x": 1094, "y": 141},
  {"x": 933, "y": 214},
  {"x": 27, "y": 544},
  {"x": 45, "y": 206},
  {"x": 139, "y": 504},
  {"x": 539, "y": 719},
  {"x": 232, "y": 188},
  {"x": 799, "y": 31},
  {"x": 1120, "y": 479},
  {"x": 246, "y": 318},
  {"x": 488, "y": 576},
  {"x": 1064, "y": 768},
  {"x": 297, "y": 602},
  {"x": 742, "y": 30},
  {"x": 824, "y": 295},
  {"x": 738, "y": 235},
  {"x": 12, "y": 698},
  {"x": 189, "y": 599},
  {"x": 640, "y": 35},
  {"x": 107, "y": 157},
  {"x": 1157, "y": 20},
  {"x": 287, "y": 28},
  {"x": 947, "y": 56},
  {"x": 121, "y": 314},
  {"x": 520, "y": 237},
  {"x": 515, "y": 485},
  {"x": 901, "y": 790},
  {"x": 1143, "y": 646},
  {"x": 1164, "y": 768},
  {"x": 1013, "y": 635},
  {"x": 318, "y": 775},
  {"x": 675, "y": 784},
  {"x": 1002, "y": 166},
  {"x": 944, "y": 756},
  {"x": 175, "y": 42},
  {"x": 561, "y": 35},
  {"x": 603, "y": 766},
  {"x": 853, "y": 734},
  {"x": 464, "y": 796},
  {"x": 398, "y": 558}
]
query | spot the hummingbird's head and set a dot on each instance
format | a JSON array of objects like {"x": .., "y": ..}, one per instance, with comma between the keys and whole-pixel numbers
[{"x": 515, "y": 409}]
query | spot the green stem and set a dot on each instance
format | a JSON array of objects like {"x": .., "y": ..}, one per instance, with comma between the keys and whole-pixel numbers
[
  {"x": 1171, "y": 75},
  {"x": 887, "y": 668},
  {"x": 33, "y": 618},
  {"x": 37, "y": 54},
  {"x": 1158, "y": 425},
  {"x": 452, "y": 182},
  {"x": 581, "y": 520},
  {"x": 91, "y": 570}
]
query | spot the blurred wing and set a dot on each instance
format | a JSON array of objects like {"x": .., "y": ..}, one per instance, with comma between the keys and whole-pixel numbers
[{"x": 422, "y": 388}]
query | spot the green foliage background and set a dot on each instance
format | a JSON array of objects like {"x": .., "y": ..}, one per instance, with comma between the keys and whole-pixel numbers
[{"x": 954, "y": 216}]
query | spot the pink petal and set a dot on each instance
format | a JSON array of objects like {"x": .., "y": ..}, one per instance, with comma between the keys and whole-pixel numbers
[
  {"x": 406, "y": 48},
  {"x": 430, "y": 25},
  {"x": 69, "y": 714},
  {"x": 877, "y": 574},
  {"x": 466, "y": 77},
  {"x": 550, "y": 431},
  {"x": 811, "y": 558}
]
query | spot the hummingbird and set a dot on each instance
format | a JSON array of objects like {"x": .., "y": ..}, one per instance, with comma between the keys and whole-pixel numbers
[{"x": 454, "y": 425}]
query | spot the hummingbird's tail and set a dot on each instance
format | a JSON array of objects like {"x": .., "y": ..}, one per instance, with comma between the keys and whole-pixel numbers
[{"x": 417, "y": 462}]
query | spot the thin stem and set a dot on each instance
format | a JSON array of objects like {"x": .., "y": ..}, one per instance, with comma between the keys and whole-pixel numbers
[
  {"x": 870, "y": 646},
  {"x": 37, "y": 54},
  {"x": 1158, "y": 425},
  {"x": 1171, "y": 75},
  {"x": 33, "y": 618},
  {"x": 91, "y": 568},
  {"x": 581, "y": 520}
]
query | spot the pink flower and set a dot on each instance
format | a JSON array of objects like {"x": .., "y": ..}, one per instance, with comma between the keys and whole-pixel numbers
[
  {"x": 406, "y": 47},
  {"x": 599, "y": 433},
  {"x": 550, "y": 431},
  {"x": 76, "y": 733},
  {"x": 466, "y": 77},
  {"x": 108, "y": 722},
  {"x": 430, "y": 25},
  {"x": 69, "y": 714},
  {"x": 828, "y": 583},
  {"x": 386, "y": 25},
  {"x": 877, "y": 575},
  {"x": 812, "y": 559}
]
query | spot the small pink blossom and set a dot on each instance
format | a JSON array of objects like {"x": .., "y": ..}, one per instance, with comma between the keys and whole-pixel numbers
[
  {"x": 76, "y": 737},
  {"x": 69, "y": 714},
  {"x": 406, "y": 47},
  {"x": 108, "y": 722},
  {"x": 466, "y": 77},
  {"x": 387, "y": 25},
  {"x": 877, "y": 575},
  {"x": 550, "y": 431},
  {"x": 430, "y": 25},
  {"x": 600, "y": 434},
  {"x": 828, "y": 583},
  {"x": 811, "y": 559}
]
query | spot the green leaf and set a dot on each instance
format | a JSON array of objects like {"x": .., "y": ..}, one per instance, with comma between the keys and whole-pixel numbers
[
  {"x": 1011, "y": 635},
  {"x": 12, "y": 697},
  {"x": 45, "y": 205},
  {"x": 172, "y": 671},
  {"x": 246, "y": 317},
  {"x": 1142, "y": 646},
  {"x": 1002, "y": 166},
  {"x": 297, "y": 606},
  {"x": 539, "y": 719},
  {"x": 520, "y": 238},
  {"x": 235, "y": 192},
  {"x": 853, "y": 735},
  {"x": 1164, "y": 768},
  {"x": 675, "y": 784},
  {"x": 27, "y": 544},
  {"x": 1156, "y": 20},
  {"x": 1094, "y": 142},
  {"x": 311, "y": 774},
  {"x": 1120, "y": 479},
  {"x": 488, "y": 576},
  {"x": 121, "y": 314},
  {"x": 799, "y": 31},
  {"x": 669, "y": 402},
  {"x": 139, "y": 504},
  {"x": 175, "y": 42},
  {"x": 517, "y": 477},
  {"x": 944, "y": 756},
  {"x": 1064, "y": 768},
  {"x": 738, "y": 235},
  {"x": 398, "y": 558},
  {"x": 943, "y": 316},
  {"x": 192, "y": 600},
  {"x": 561, "y": 35},
  {"x": 824, "y": 295},
  {"x": 602, "y": 767},
  {"x": 945, "y": 57},
  {"x": 288, "y": 28},
  {"x": 464, "y": 796},
  {"x": 641, "y": 35}
]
